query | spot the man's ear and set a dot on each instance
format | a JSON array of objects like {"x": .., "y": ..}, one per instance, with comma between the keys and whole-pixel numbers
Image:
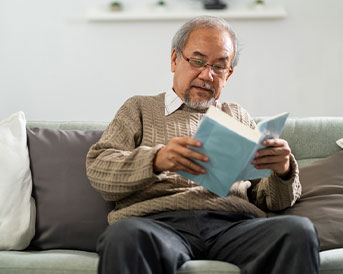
[
  {"x": 230, "y": 72},
  {"x": 173, "y": 60}
]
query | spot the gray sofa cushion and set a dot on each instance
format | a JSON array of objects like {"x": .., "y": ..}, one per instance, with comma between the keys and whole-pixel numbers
[
  {"x": 70, "y": 213},
  {"x": 75, "y": 262},
  {"x": 48, "y": 262},
  {"x": 322, "y": 199}
]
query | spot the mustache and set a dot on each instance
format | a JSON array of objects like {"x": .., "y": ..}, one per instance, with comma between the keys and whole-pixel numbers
[{"x": 201, "y": 84}]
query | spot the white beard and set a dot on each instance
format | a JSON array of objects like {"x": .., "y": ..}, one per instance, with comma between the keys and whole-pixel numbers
[{"x": 199, "y": 105}]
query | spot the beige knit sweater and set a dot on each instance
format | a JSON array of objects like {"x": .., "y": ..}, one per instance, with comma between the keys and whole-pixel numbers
[{"x": 120, "y": 166}]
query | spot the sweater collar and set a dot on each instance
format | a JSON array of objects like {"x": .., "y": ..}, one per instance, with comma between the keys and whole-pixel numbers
[{"x": 173, "y": 102}]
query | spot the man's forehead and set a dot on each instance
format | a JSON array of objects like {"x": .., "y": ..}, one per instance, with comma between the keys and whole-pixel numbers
[
  {"x": 221, "y": 57},
  {"x": 203, "y": 41}
]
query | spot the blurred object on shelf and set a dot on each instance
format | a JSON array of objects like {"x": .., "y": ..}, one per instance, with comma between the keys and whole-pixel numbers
[
  {"x": 259, "y": 5},
  {"x": 260, "y": 2},
  {"x": 161, "y": 6},
  {"x": 214, "y": 5},
  {"x": 116, "y": 6},
  {"x": 161, "y": 3}
]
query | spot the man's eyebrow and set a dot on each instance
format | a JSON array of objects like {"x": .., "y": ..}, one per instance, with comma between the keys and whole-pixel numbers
[
  {"x": 225, "y": 59},
  {"x": 198, "y": 53}
]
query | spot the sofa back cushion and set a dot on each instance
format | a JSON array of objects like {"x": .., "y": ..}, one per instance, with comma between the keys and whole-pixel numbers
[
  {"x": 70, "y": 213},
  {"x": 17, "y": 208},
  {"x": 314, "y": 138},
  {"x": 322, "y": 199}
]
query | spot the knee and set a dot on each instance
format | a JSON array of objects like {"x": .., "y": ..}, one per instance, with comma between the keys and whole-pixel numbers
[
  {"x": 127, "y": 230},
  {"x": 123, "y": 233},
  {"x": 298, "y": 225},
  {"x": 300, "y": 230}
]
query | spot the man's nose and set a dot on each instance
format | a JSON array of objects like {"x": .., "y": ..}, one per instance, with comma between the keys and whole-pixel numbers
[{"x": 206, "y": 74}]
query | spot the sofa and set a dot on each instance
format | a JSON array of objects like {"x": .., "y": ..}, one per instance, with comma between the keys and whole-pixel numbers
[{"x": 312, "y": 140}]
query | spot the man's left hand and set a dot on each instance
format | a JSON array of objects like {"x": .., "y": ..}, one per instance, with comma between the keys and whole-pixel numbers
[{"x": 275, "y": 156}]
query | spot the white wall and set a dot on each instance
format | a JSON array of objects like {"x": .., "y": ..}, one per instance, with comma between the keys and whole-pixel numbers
[{"x": 54, "y": 65}]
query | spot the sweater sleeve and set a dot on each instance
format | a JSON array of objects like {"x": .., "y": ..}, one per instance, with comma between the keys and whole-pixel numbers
[
  {"x": 117, "y": 165},
  {"x": 272, "y": 193}
]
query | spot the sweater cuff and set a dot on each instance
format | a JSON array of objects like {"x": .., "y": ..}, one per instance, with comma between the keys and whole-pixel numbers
[
  {"x": 294, "y": 172},
  {"x": 282, "y": 192},
  {"x": 156, "y": 175}
]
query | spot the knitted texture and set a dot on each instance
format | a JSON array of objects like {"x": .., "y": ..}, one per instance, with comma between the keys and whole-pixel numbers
[{"x": 120, "y": 166}]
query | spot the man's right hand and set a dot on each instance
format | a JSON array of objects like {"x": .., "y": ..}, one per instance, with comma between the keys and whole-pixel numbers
[{"x": 177, "y": 156}]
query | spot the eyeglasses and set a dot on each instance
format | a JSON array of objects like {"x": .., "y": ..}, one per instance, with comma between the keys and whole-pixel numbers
[{"x": 201, "y": 65}]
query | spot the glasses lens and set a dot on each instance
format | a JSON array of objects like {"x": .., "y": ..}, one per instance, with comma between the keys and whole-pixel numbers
[
  {"x": 196, "y": 63},
  {"x": 199, "y": 64},
  {"x": 218, "y": 69}
]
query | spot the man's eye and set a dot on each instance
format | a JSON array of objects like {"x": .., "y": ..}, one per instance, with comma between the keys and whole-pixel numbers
[
  {"x": 197, "y": 63},
  {"x": 218, "y": 67}
]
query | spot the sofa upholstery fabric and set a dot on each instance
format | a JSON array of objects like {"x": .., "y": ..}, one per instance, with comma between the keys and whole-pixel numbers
[
  {"x": 322, "y": 199},
  {"x": 17, "y": 208},
  {"x": 70, "y": 213},
  {"x": 311, "y": 139},
  {"x": 77, "y": 262}
]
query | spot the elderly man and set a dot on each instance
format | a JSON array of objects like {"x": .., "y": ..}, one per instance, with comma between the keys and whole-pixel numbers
[{"x": 161, "y": 219}]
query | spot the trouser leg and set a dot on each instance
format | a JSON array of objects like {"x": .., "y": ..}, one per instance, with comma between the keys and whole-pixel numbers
[
  {"x": 278, "y": 245},
  {"x": 141, "y": 246}
]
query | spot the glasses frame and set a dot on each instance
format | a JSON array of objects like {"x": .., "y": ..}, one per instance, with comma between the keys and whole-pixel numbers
[{"x": 228, "y": 69}]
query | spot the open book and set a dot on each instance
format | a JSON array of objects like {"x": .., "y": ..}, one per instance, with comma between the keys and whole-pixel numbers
[{"x": 231, "y": 146}]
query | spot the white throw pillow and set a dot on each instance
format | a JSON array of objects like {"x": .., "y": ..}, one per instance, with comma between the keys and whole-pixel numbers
[
  {"x": 17, "y": 207},
  {"x": 340, "y": 143}
]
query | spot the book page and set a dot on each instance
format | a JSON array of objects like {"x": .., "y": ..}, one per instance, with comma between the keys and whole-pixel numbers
[
  {"x": 269, "y": 128},
  {"x": 272, "y": 126},
  {"x": 227, "y": 121}
]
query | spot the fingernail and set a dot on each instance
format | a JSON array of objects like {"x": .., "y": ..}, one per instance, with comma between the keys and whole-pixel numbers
[{"x": 253, "y": 162}]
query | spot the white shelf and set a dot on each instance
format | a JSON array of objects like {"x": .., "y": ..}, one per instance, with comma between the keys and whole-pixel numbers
[{"x": 103, "y": 14}]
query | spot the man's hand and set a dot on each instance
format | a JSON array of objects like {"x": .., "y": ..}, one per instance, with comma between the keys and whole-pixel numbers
[
  {"x": 275, "y": 157},
  {"x": 177, "y": 156}
]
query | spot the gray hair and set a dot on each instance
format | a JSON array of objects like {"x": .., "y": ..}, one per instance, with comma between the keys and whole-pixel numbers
[{"x": 181, "y": 36}]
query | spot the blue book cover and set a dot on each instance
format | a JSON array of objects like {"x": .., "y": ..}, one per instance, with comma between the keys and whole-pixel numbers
[{"x": 231, "y": 146}]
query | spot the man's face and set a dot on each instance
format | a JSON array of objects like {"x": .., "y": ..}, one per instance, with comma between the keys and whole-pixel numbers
[{"x": 201, "y": 87}]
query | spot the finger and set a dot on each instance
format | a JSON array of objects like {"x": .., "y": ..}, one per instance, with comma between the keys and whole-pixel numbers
[
  {"x": 270, "y": 160},
  {"x": 190, "y": 166},
  {"x": 191, "y": 154},
  {"x": 274, "y": 142},
  {"x": 179, "y": 146},
  {"x": 272, "y": 151},
  {"x": 187, "y": 141},
  {"x": 185, "y": 152}
]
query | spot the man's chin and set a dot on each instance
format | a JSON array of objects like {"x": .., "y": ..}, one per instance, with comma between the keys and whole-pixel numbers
[
  {"x": 198, "y": 98},
  {"x": 199, "y": 105}
]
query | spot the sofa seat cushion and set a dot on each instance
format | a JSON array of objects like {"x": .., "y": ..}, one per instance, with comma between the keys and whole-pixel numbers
[
  {"x": 208, "y": 267},
  {"x": 74, "y": 262},
  {"x": 331, "y": 261},
  {"x": 56, "y": 261}
]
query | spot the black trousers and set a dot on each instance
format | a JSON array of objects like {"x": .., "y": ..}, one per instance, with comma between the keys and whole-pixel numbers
[{"x": 161, "y": 243}]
